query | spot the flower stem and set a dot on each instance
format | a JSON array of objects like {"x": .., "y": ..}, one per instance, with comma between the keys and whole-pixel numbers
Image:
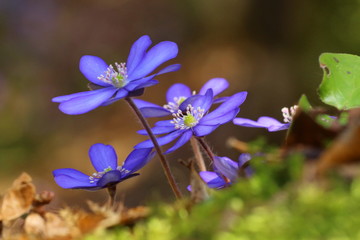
[
  {"x": 210, "y": 154},
  {"x": 206, "y": 147},
  {"x": 198, "y": 156},
  {"x": 112, "y": 193},
  {"x": 164, "y": 163}
]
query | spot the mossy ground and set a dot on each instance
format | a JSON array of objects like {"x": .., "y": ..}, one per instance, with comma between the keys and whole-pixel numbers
[{"x": 275, "y": 203}]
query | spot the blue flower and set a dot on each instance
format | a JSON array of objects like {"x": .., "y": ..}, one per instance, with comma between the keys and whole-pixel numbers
[
  {"x": 226, "y": 171},
  {"x": 194, "y": 119},
  {"x": 177, "y": 94},
  {"x": 110, "y": 83},
  {"x": 270, "y": 123},
  {"x": 108, "y": 173}
]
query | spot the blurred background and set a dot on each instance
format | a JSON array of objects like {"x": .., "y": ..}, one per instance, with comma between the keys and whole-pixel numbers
[{"x": 268, "y": 48}]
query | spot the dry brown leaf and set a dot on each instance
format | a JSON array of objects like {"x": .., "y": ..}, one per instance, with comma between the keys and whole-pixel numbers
[
  {"x": 118, "y": 215},
  {"x": 132, "y": 215},
  {"x": 34, "y": 225},
  {"x": 80, "y": 222},
  {"x": 306, "y": 133},
  {"x": 345, "y": 149},
  {"x": 105, "y": 209},
  {"x": 72, "y": 224},
  {"x": 88, "y": 222},
  {"x": 41, "y": 200},
  {"x": 56, "y": 227},
  {"x": 18, "y": 199},
  {"x": 13, "y": 230},
  {"x": 49, "y": 226},
  {"x": 110, "y": 215}
]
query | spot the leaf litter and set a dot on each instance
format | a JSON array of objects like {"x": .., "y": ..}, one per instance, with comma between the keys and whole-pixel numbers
[{"x": 23, "y": 215}]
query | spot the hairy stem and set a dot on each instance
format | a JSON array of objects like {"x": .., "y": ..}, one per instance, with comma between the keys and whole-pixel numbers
[
  {"x": 206, "y": 147},
  {"x": 210, "y": 153},
  {"x": 164, "y": 163},
  {"x": 198, "y": 156},
  {"x": 112, "y": 193}
]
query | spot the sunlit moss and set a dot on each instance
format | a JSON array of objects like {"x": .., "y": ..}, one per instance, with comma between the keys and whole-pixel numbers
[{"x": 249, "y": 211}]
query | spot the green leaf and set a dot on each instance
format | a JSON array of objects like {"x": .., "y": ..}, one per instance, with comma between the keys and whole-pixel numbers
[
  {"x": 344, "y": 118},
  {"x": 325, "y": 120},
  {"x": 304, "y": 103},
  {"x": 341, "y": 82}
]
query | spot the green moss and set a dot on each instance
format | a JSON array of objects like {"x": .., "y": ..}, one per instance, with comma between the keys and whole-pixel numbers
[{"x": 273, "y": 204}]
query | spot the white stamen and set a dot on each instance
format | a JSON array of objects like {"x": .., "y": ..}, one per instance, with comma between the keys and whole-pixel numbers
[
  {"x": 122, "y": 170},
  {"x": 174, "y": 106},
  {"x": 117, "y": 78},
  {"x": 96, "y": 176},
  {"x": 288, "y": 113}
]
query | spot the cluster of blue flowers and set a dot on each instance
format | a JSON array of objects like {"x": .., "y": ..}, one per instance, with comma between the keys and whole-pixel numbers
[
  {"x": 109, "y": 84},
  {"x": 189, "y": 114}
]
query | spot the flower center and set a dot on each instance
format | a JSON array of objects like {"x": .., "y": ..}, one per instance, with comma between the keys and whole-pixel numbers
[
  {"x": 188, "y": 120},
  {"x": 288, "y": 113},
  {"x": 117, "y": 78},
  {"x": 96, "y": 176}
]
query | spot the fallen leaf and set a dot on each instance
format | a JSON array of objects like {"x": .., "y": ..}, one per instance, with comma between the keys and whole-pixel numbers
[
  {"x": 18, "y": 199},
  {"x": 41, "y": 200},
  {"x": 307, "y": 135},
  {"x": 57, "y": 228},
  {"x": 345, "y": 149},
  {"x": 35, "y": 225}
]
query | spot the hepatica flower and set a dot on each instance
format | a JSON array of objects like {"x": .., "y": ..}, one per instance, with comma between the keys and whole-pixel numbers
[
  {"x": 108, "y": 172},
  {"x": 194, "y": 119},
  {"x": 270, "y": 123},
  {"x": 110, "y": 83},
  {"x": 226, "y": 171},
  {"x": 177, "y": 94}
]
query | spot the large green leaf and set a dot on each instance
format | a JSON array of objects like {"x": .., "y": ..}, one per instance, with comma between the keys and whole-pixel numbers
[{"x": 341, "y": 82}]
